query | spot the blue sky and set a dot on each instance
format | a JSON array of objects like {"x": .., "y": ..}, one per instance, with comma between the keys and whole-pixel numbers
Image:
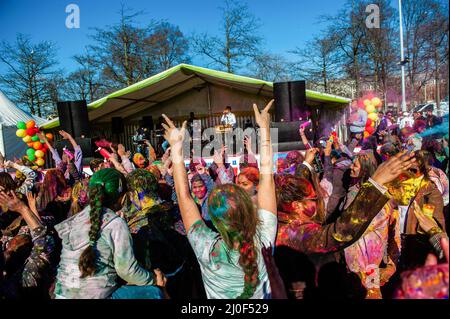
[{"x": 286, "y": 24}]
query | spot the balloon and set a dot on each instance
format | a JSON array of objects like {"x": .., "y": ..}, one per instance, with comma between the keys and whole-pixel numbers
[
  {"x": 30, "y": 131},
  {"x": 27, "y": 139},
  {"x": 21, "y": 133},
  {"x": 35, "y": 138},
  {"x": 366, "y": 134},
  {"x": 39, "y": 154},
  {"x": 376, "y": 101},
  {"x": 370, "y": 130},
  {"x": 30, "y": 152},
  {"x": 370, "y": 108},
  {"x": 373, "y": 116},
  {"x": 372, "y": 124},
  {"x": 369, "y": 122},
  {"x": 366, "y": 102},
  {"x": 30, "y": 144},
  {"x": 49, "y": 136},
  {"x": 40, "y": 162},
  {"x": 42, "y": 141},
  {"x": 37, "y": 145},
  {"x": 31, "y": 124},
  {"x": 31, "y": 157},
  {"x": 21, "y": 125}
]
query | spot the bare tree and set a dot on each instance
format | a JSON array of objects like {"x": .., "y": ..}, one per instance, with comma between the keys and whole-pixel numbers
[
  {"x": 437, "y": 44},
  {"x": 168, "y": 46},
  {"x": 86, "y": 82},
  {"x": 318, "y": 62},
  {"x": 30, "y": 71},
  {"x": 348, "y": 29},
  {"x": 239, "y": 43},
  {"x": 120, "y": 51},
  {"x": 417, "y": 16},
  {"x": 270, "y": 67},
  {"x": 379, "y": 47}
]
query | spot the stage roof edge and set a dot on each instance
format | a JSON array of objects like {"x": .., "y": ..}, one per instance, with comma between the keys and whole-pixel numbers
[{"x": 187, "y": 69}]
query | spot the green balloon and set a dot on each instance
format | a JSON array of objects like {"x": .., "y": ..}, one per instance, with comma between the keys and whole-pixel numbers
[
  {"x": 42, "y": 141},
  {"x": 35, "y": 138},
  {"x": 30, "y": 152},
  {"x": 31, "y": 157},
  {"x": 21, "y": 125}
]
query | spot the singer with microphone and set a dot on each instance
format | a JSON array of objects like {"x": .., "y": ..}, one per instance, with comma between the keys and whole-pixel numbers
[{"x": 228, "y": 118}]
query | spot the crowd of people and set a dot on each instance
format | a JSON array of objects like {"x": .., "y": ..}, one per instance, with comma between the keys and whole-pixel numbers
[{"x": 371, "y": 223}]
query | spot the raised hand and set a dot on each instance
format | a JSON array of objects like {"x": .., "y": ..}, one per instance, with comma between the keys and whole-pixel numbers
[
  {"x": 64, "y": 134},
  {"x": 31, "y": 201},
  {"x": 392, "y": 168},
  {"x": 11, "y": 201},
  {"x": 310, "y": 155},
  {"x": 425, "y": 222},
  {"x": 175, "y": 138},
  {"x": 263, "y": 117},
  {"x": 121, "y": 150},
  {"x": 173, "y": 135}
]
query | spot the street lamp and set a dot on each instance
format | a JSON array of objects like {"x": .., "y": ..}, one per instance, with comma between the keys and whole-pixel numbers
[{"x": 402, "y": 58}]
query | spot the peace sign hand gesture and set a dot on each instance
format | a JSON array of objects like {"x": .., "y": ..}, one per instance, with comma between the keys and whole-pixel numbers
[
  {"x": 263, "y": 118},
  {"x": 175, "y": 137}
]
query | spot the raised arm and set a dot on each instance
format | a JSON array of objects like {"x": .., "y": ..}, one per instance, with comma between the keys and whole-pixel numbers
[
  {"x": 266, "y": 191},
  {"x": 310, "y": 237},
  {"x": 188, "y": 208},
  {"x": 303, "y": 137},
  {"x": 37, "y": 265},
  {"x": 29, "y": 174}
]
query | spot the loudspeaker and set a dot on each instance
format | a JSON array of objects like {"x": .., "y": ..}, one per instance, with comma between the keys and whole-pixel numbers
[
  {"x": 117, "y": 125},
  {"x": 73, "y": 117},
  {"x": 290, "y": 101},
  {"x": 65, "y": 116},
  {"x": 289, "y": 136},
  {"x": 80, "y": 119}
]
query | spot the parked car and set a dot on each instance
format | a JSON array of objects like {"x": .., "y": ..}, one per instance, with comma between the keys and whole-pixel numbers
[{"x": 423, "y": 108}]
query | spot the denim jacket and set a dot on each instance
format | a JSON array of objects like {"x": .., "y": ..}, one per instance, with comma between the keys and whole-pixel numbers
[{"x": 115, "y": 258}]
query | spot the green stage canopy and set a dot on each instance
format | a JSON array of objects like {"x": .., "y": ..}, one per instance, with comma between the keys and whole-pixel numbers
[{"x": 177, "y": 80}]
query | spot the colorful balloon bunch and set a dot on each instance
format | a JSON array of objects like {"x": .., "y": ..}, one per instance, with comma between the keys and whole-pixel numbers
[
  {"x": 371, "y": 106},
  {"x": 37, "y": 148}
]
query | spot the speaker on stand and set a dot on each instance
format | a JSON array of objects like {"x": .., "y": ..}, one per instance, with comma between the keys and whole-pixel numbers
[{"x": 290, "y": 112}]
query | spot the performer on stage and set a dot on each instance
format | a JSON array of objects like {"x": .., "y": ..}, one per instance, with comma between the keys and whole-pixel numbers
[{"x": 228, "y": 118}]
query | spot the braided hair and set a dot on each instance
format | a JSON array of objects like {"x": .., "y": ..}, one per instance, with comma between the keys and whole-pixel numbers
[
  {"x": 105, "y": 188},
  {"x": 232, "y": 212}
]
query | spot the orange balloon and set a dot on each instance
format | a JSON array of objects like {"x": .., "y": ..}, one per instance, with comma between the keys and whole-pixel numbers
[
  {"x": 31, "y": 124},
  {"x": 40, "y": 162},
  {"x": 30, "y": 144},
  {"x": 49, "y": 136},
  {"x": 366, "y": 134},
  {"x": 37, "y": 145}
]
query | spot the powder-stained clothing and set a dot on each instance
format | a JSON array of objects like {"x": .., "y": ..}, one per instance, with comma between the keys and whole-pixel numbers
[
  {"x": 115, "y": 258},
  {"x": 38, "y": 267},
  {"x": 78, "y": 157},
  {"x": 381, "y": 241},
  {"x": 438, "y": 177},
  {"x": 28, "y": 183},
  {"x": 222, "y": 276},
  {"x": 301, "y": 233}
]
